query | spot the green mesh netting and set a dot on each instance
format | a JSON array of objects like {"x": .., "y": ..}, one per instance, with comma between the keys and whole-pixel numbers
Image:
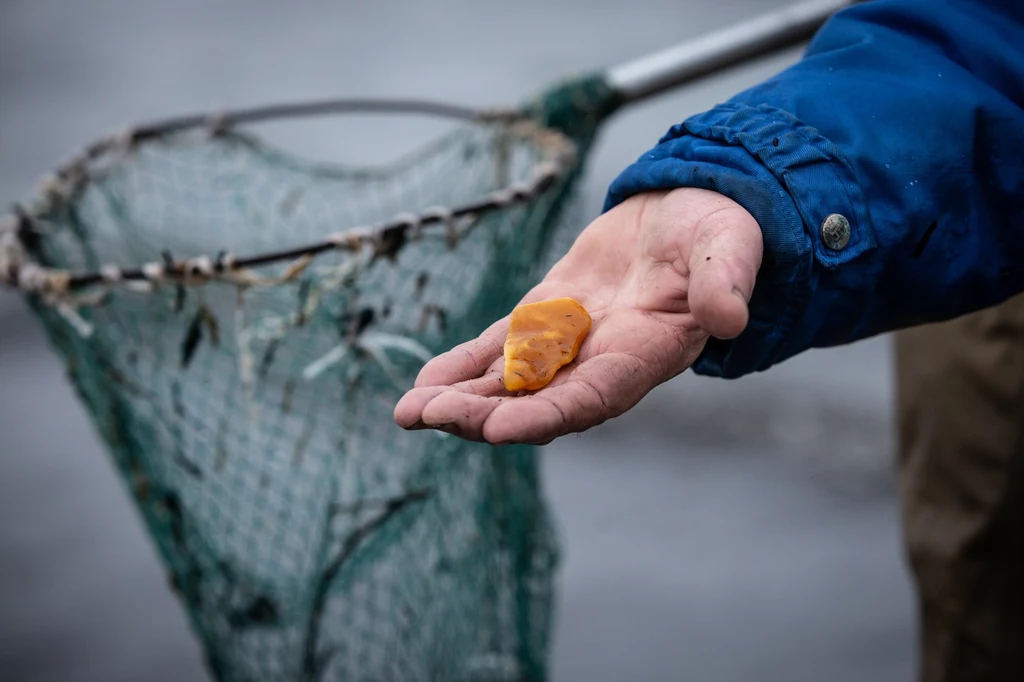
[{"x": 309, "y": 537}]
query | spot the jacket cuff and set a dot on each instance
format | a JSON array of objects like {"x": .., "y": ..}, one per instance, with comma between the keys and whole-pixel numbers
[{"x": 790, "y": 179}]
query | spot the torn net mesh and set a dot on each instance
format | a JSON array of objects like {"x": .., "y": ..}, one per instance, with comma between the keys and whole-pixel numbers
[{"x": 308, "y": 537}]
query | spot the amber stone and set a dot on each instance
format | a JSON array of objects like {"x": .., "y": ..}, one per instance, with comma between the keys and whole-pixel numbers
[{"x": 542, "y": 338}]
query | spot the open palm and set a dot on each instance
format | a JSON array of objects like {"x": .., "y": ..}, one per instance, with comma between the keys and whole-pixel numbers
[{"x": 659, "y": 275}]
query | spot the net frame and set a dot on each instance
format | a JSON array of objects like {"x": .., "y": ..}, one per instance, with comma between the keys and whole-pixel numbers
[{"x": 66, "y": 290}]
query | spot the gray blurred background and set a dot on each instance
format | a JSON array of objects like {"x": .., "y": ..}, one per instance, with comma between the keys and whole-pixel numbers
[{"x": 721, "y": 531}]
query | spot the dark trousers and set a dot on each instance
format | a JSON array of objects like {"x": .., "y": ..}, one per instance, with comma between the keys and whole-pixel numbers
[{"x": 961, "y": 436}]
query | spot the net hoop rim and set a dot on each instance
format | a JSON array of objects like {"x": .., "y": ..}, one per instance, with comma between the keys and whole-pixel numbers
[{"x": 60, "y": 187}]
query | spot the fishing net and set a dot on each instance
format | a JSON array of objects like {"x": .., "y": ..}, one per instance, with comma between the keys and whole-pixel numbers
[{"x": 240, "y": 321}]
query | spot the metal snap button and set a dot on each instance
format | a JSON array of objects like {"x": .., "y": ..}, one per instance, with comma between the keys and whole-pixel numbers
[{"x": 835, "y": 231}]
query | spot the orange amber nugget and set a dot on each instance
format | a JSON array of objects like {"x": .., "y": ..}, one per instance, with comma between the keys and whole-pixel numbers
[{"x": 542, "y": 338}]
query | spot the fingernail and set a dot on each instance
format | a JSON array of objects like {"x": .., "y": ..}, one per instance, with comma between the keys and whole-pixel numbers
[{"x": 453, "y": 429}]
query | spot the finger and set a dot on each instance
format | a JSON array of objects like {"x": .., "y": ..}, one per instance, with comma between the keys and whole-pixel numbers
[
  {"x": 408, "y": 412},
  {"x": 723, "y": 266},
  {"x": 453, "y": 413},
  {"x": 601, "y": 388},
  {"x": 468, "y": 360},
  {"x": 462, "y": 414}
]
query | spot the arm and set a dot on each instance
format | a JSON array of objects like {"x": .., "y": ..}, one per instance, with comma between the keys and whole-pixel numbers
[{"x": 905, "y": 117}]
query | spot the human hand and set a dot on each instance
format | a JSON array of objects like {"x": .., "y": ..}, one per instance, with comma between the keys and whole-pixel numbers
[{"x": 659, "y": 274}]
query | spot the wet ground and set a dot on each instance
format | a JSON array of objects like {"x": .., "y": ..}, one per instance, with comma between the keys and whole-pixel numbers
[{"x": 721, "y": 531}]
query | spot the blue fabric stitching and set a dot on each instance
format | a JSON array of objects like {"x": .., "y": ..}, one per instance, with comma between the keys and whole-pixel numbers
[{"x": 862, "y": 233}]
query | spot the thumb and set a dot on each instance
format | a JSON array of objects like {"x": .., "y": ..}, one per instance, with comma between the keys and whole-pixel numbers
[{"x": 724, "y": 260}]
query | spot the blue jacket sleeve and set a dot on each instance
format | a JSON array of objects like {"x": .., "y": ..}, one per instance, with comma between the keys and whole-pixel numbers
[{"x": 903, "y": 116}]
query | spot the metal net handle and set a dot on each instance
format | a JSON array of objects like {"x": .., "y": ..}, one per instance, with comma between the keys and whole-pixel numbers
[{"x": 18, "y": 271}]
